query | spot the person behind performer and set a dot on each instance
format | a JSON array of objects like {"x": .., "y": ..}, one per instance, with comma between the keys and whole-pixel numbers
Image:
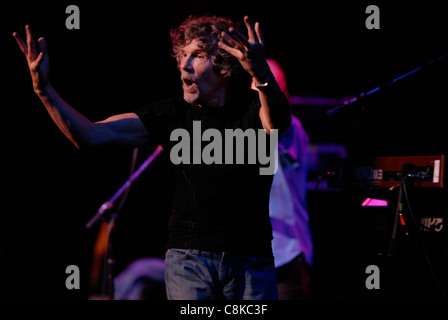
[
  {"x": 219, "y": 244},
  {"x": 292, "y": 244}
]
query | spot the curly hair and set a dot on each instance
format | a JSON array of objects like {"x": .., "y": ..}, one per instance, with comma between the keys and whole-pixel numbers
[{"x": 208, "y": 30}]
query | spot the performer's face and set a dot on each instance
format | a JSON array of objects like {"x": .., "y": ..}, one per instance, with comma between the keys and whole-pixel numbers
[{"x": 200, "y": 83}]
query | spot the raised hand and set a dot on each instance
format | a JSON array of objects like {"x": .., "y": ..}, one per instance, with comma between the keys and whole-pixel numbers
[
  {"x": 250, "y": 52},
  {"x": 38, "y": 63}
]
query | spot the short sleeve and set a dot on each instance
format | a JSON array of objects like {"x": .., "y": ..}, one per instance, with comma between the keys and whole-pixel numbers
[{"x": 159, "y": 119}]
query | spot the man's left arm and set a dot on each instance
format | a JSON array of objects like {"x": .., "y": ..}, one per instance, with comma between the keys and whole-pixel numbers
[{"x": 275, "y": 111}]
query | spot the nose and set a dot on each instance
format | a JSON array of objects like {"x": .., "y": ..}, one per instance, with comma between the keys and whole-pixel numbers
[{"x": 185, "y": 64}]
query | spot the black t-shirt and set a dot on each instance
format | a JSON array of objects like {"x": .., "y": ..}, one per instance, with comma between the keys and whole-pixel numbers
[{"x": 216, "y": 207}]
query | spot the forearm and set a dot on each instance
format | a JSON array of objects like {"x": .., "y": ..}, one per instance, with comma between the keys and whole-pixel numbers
[
  {"x": 73, "y": 124},
  {"x": 275, "y": 111}
]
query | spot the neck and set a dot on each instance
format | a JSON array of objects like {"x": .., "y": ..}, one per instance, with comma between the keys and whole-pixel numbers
[{"x": 217, "y": 99}]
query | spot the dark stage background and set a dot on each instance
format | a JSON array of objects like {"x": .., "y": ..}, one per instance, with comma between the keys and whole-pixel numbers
[{"x": 120, "y": 59}]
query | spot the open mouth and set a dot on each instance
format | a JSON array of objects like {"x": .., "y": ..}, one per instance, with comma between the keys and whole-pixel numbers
[{"x": 188, "y": 82}]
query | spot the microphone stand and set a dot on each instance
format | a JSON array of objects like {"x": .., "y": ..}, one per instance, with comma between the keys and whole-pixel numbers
[
  {"x": 398, "y": 217},
  {"x": 406, "y": 172},
  {"x": 109, "y": 204},
  {"x": 105, "y": 211},
  {"x": 348, "y": 102}
]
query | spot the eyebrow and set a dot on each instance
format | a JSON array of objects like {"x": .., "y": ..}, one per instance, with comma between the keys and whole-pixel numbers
[{"x": 195, "y": 51}]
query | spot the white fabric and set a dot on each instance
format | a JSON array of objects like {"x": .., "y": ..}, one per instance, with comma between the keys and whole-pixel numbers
[{"x": 288, "y": 206}]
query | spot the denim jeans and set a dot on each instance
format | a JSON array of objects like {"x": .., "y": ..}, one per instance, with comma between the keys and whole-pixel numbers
[{"x": 203, "y": 275}]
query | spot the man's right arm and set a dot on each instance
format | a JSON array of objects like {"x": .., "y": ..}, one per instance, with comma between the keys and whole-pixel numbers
[
  {"x": 121, "y": 130},
  {"x": 124, "y": 129}
]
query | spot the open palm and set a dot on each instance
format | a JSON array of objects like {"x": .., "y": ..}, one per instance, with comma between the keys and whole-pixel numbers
[{"x": 38, "y": 63}]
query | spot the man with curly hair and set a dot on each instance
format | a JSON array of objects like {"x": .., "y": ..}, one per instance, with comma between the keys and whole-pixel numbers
[{"x": 219, "y": 244}]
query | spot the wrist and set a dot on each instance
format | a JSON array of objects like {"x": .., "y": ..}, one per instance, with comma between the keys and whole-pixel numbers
[
  {"x": 263, "y": 78},
  {"x": 262, "y": 73},
  {"x": 265, "y": 82}
]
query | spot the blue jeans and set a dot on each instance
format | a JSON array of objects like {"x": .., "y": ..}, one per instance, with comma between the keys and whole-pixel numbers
[{"x": 203, "y": 275}]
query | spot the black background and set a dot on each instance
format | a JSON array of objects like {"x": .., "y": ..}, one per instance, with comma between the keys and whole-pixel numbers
[{"x": 120, "y": 59}]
